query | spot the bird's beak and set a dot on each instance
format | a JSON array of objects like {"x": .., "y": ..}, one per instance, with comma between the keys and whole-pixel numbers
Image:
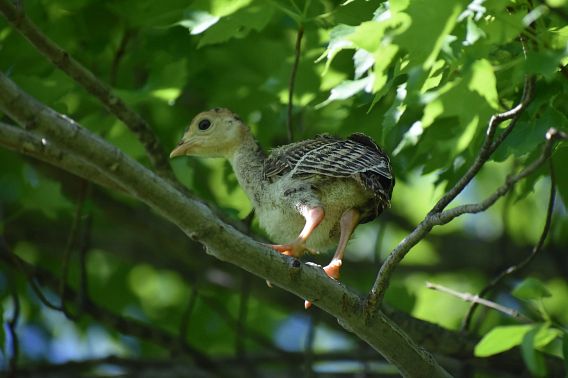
[{"x": 183, "y": 147}]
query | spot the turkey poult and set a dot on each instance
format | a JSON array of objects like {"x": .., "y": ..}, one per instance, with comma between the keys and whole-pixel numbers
[{"x": 308, "y": 195}]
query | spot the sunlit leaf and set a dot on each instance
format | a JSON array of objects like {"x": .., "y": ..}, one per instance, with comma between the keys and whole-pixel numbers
[
  {"x": 532, "y": 357},
  {"x": 349, "y": 88},
  {"x": 500, "y": 339},
  {"x": 530, "y": 289},
  {"x": 198, "y": 21},
  {"x": 430, "y": 26},
  {"x": 239, "y": 24}
]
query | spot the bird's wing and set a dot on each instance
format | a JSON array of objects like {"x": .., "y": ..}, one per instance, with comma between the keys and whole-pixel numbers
[
  {"x": 329, "y": 156},
  {"x": 283, "y": 159}
]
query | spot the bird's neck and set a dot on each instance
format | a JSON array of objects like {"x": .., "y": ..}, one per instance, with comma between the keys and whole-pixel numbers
[{"x": 247, "y": 162}]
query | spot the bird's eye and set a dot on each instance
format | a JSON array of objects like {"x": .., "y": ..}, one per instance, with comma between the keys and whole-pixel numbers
[{"x": 204, "y": 124}]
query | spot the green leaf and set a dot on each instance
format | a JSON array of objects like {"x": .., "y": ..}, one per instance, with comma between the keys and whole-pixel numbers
[
  {"x": 483, "y": 82},
  {"x": 238, "y": 24},
  {"x": 504, "y": 28},
  {"x": 43, "y": 194},
  {"x": 543, "y": 62},
  {"x": 531, "y": 289},
  {"x": 430, "y": 27},
  {"x": 532, "y": 357},
  {"x": 500, "y": 339},
  {"x": 556, "y": 3},
  {"x": 368, "y": 35},
  {"x": 349, "y": 88},
  {"x": 545, "y": 335},
  {"x": 198, "y": 21},
  {"x": 337, "y": 41},
  {"x": 148, "y": 13}
]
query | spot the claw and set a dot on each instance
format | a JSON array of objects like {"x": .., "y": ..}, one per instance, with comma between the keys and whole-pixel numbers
[
  {"x": 293, "y": 249},
  {"x": 332, "y": 269}
]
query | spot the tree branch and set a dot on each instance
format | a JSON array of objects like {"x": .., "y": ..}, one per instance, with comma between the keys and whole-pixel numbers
[
  {"x": 11, "y": 327},
  {"x": 521, "y": 265},
  {"x": 222, "y": 240},
  {"x": 489, "y": 146},
  {"x": 478, "y": 300},
  {"x": 24, "y": 142},
  {"x": 60, "y": 58},
  {"x": 292, "y": 81}
]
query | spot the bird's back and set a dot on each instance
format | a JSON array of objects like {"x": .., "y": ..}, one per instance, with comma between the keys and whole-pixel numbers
[{"x": 325, "y": 160}]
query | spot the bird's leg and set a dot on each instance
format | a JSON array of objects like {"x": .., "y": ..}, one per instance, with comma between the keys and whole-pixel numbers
[
  {"x": 349, "y": 220},
  {"x": 296, "y": 248}
]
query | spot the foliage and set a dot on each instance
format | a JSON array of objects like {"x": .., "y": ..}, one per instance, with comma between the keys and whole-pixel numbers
[{"x": 422, "y": 79}]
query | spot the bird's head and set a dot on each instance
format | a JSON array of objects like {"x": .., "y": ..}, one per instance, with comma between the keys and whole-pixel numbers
[{"x": 215, "y": 133}]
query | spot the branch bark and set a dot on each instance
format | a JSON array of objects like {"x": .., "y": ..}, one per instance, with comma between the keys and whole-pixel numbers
[
  {"x": 24, "y": 142},
  {"x": 223, "y": 241}
]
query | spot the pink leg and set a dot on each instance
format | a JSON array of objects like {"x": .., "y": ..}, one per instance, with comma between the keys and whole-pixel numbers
[
  {"x": 349, "y": 220},
  {"x": 296, "y": 248}
]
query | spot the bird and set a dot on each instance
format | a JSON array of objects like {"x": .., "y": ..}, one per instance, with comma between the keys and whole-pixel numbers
[{"x": 308, "y": 195}]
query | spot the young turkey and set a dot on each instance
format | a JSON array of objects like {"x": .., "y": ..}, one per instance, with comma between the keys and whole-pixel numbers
[{"x": 308, "y": 195}]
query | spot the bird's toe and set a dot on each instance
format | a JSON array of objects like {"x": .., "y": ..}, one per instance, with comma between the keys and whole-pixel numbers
[{"x": 332, "y": 269}]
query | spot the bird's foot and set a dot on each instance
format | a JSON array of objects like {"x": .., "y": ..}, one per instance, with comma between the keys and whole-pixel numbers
[
  {"x": 293, "y": 249},
  {"x": 332, "y": 269}
]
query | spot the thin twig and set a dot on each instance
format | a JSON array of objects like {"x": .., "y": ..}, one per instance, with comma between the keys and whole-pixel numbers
[
  {"x": 12, "y": 325},
  {"x": 476, "y": 299},
  {"x": 20, "y": 265},
  {"x": 71, "y": 242},
  {"x": 186, "y": 316},
  {"x": 92, "y": 84},
  {"x": 83, "y": 249},
  {"x": 240, "y": 331},
  {"x": 309, "y": 345},
  {"x": 232, "y": 322},
  {"x": 118, "y": 55},
  {"x": 292, "y": 81},
  {"x": 489, "y": 146},
  {"x": 521, "y": 265}
]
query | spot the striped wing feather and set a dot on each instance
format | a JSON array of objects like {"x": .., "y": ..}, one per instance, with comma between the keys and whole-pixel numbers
[{"x": 358, "y": 157}]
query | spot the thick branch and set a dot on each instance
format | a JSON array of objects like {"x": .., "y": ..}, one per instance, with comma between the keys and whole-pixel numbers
[
  {"x": 22, "y": 141},
  {"x": 92, "y": 84},
  {"x": 222, "y": 240}
]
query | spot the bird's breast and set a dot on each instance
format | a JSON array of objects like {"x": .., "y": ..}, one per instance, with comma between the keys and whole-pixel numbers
[{"x": 283, "y": 223}]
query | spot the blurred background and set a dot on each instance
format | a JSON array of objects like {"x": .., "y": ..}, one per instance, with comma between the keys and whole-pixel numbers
[{"x": 170, "y": 60}]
